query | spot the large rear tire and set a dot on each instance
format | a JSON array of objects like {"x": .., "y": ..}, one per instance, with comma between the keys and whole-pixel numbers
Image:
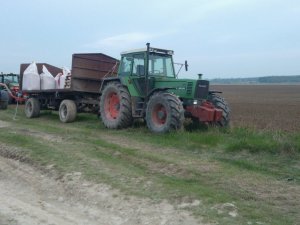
[
  {"x": 3, "y": 99},
  {"x": 32, "y": 108},
  {"x": 115, "y": 106},
  {"x": 220, "y": 103},
  {"x": 67, "y": 111},
  {"x": 164, "y": 113}
]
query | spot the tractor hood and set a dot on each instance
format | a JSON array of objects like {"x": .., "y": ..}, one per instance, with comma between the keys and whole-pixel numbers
[
  {"x": 13, "y": 84},
  {"x": 185, "y": 88}
]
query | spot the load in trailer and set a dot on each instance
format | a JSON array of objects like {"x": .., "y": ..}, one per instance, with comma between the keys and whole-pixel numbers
[
  {"x": 82, "y": 92},
  {"x": 145, "y": 86}
]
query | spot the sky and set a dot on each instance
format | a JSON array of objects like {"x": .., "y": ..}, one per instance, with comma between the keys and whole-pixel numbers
[{"x": 218, "y": 38}]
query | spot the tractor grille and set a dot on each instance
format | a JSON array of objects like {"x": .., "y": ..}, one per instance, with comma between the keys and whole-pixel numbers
[
  {"x": 189, "y": 88},
  {"x": 202, "y": 87}
]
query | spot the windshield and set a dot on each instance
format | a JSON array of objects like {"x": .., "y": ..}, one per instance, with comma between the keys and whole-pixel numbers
[
  {"x": 11, "y": 78},
  {"x": 161, "y": 65}
]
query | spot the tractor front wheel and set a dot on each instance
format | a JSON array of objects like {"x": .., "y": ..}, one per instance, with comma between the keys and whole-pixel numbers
[
  {"x": 220, "y": 103},
  {"x": 115, "y": 106},
  {"x": 32, "y": 108},
  {"x": 164, "y": 113}
]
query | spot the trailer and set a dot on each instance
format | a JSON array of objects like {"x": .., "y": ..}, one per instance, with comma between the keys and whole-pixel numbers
[{"x": 82, "y": 94}]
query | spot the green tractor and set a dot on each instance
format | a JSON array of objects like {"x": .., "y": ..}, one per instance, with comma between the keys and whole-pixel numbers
[
  {"x": 12, "y": 82},
  {"x": 147, "y": 87}
]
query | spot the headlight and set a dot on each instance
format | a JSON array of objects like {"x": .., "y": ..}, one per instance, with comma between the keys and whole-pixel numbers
[{"x": 195, "y": 102}]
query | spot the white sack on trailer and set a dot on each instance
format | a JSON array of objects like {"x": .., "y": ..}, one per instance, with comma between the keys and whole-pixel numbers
[
  {"x": 60, "y": 78},
  {"x": 47, "y": 80},
  {"x": 31, "y": 78}
]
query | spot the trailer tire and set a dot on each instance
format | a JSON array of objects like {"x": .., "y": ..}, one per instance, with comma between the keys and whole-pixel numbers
[
  {"x": 3, "y": 99},
  {"x": 67, "y": 111},
  {"x": 220, "y": 103},
  {"x": 115, "y": 106},
  {"x": 32, "y": 108},
  {"x": 164, "y": 113}
]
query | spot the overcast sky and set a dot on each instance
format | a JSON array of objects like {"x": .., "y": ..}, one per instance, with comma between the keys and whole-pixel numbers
[{"x": 219, "y": 38}]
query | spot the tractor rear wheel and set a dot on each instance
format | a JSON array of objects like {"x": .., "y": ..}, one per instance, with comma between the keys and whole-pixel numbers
[
  {"x": 3, "y": 99},
  {"x": 115, "y": 106},
  {"x": 220, "y": 103},
  {"x": 164, "y": 113},
  {"x": 32, "y": 108},
  {"x": 67, "y": 111}
]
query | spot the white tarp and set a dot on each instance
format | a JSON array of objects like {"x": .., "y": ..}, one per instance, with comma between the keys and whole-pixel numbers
[
  {"x": 31, "y": 78},
  {"x": 47, "y": 80}
]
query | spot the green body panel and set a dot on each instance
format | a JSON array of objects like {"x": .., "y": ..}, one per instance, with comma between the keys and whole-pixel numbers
[
  {"x": 184, "y": 88},
  {"x": 10, "y": 85},
  {"x": 128, "y": 82}
]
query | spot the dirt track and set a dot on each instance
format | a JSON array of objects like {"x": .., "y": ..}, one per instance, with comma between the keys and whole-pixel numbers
[{"x": 27, "y": 196}]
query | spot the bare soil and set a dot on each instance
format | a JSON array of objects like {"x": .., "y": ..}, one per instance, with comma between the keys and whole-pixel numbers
[
  {"x": 266, "y": 107},
  {"x": 30, "y": 196}
]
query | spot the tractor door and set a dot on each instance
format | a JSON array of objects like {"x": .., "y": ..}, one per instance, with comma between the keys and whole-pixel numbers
[{"x": 138, "y": 74}]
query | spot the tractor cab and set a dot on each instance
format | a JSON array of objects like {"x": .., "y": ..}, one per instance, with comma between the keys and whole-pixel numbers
[
  {"x": 141, "y": 69},
  {"x": 159, "y": 63},
  {"x": 9, "y": 79}
]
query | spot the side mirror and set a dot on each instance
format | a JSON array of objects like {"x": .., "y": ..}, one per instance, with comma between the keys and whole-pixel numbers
[{"x": 186, "y": 65}]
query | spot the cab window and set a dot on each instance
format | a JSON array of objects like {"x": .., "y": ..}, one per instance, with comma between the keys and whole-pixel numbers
[
  {"x": 126, "y": 66},
  {"x": 161, "y": 65},
  {"x": 138, "y": 65}
]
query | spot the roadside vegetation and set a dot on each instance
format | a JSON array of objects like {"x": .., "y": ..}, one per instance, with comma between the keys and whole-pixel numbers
[{"x": 228, "y": 176}]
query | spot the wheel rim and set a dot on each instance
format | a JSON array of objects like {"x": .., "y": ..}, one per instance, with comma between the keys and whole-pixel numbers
[
  {"x": 29, "y": 107},
  {"x": 112, "y": 106},
  {"x": 159, "y": 115},
  {"x": 64, "y": 112}
]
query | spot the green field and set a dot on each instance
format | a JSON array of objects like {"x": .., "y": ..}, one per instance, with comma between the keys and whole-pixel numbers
[{"x": 230, "y": 176}]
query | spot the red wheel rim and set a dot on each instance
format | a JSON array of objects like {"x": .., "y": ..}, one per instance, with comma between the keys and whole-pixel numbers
[
  {"x": 112, "y": 106},
  {"x": 159, "y": 115}
]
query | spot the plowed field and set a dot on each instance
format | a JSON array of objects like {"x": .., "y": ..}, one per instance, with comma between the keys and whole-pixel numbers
[{"x": 267, "y": 107}]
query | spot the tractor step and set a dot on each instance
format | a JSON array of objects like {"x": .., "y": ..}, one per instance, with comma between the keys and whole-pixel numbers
[{"x": 139, "y": 110}]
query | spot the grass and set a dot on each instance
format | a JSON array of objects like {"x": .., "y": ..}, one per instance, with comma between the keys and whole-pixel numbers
[{"x": 258, "y": 172}]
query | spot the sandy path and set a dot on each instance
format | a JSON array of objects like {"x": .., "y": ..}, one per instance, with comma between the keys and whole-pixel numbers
[{"x": 29, "y": 197}]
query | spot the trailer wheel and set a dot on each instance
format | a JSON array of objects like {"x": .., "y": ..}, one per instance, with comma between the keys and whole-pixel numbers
[
  {"x": 115, "y": 106},
  {"x": 164, "y": 113},
  {"x": 220, "y": 103},
  {"x": 3, "y": 99},
  {"x": 67, "y": 111},
  {"x": 32, "y": 108}
]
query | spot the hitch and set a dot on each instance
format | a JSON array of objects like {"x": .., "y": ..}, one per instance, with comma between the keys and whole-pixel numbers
[{"x": 205, "y": 112}]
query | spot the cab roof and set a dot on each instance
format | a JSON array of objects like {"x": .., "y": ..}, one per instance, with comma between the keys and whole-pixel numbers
[{"x": 154, "y": 50}]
